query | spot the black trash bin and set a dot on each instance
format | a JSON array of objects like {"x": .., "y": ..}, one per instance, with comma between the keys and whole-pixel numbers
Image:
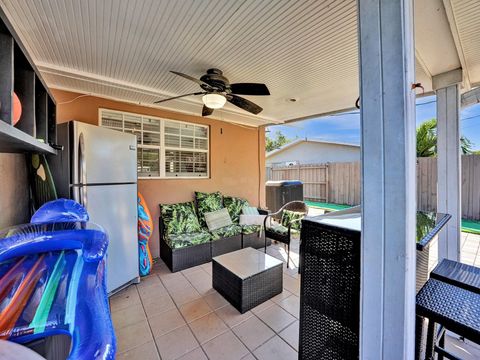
[{"x": 279, "y": 193}]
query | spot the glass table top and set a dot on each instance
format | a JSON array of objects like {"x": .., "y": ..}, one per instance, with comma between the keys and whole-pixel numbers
[
  {"x": 247, "y": 262},
  {"x": 428, "y": 223}
]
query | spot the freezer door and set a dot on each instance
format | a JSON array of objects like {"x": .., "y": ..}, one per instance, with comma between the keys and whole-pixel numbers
[
  {"x": 114, "y": 207},
  {"x": 103, "y": 156}
]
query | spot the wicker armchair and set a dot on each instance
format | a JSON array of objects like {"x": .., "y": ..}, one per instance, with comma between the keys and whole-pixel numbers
[{"x": 282, "y": 231}]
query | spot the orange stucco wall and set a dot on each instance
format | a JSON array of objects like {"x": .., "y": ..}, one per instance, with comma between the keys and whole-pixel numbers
[{"x": 237, "y": 155}]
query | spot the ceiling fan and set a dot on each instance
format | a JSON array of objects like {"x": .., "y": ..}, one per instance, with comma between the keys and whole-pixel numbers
[{"x": 217, "y": 90}]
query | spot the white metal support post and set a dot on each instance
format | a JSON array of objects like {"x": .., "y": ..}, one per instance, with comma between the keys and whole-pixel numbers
[
  {"x": 449, "y": 161},
  {"x": 388, "y": 179}
]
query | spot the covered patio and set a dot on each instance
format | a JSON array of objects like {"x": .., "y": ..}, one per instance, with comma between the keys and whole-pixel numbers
[{"x": 105, "y": 58}]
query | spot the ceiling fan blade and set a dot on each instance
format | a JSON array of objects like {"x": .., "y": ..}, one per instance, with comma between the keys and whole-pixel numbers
[
  {"x": 191, "y": 78},
  {"x": 180, "y": 96},
  {"x": 244, "y": 104},
  {"x": 249, "y": 89},
  {"x": 206, "y": 111}
]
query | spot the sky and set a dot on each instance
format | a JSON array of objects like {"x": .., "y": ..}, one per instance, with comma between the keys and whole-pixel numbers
[{"x": 345, "y": 127}]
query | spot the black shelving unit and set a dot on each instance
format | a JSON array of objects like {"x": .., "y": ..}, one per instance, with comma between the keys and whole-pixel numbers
[{"x": 36, "y": 129}]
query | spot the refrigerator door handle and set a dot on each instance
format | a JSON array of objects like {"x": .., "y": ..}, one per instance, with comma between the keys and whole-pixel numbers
[{"x": 82, "y": 171}]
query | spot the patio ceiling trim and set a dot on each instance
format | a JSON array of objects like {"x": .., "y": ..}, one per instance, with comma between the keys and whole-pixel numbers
[
  {"x": 471, "y": 97},
  {"x": 448, "y": 78},
  {"x": 316, "y": 116},
  {"x": 456, "y": 38},
  {"x": 432, "y": 22}
]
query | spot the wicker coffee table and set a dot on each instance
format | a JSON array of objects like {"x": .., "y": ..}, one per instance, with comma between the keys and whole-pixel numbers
[{"x": 247, "y": 277}]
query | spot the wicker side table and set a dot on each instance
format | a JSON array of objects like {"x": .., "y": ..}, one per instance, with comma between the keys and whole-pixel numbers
[{"x": 247, "y": 277}]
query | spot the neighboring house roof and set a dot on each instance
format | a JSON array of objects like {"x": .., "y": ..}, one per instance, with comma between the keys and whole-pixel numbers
[{"x": 299, "y": 141}]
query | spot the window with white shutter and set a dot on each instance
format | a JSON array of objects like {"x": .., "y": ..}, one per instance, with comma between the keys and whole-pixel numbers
[
  {"x": 186, "y": 149},
  {"x": 166, "y": 148}
]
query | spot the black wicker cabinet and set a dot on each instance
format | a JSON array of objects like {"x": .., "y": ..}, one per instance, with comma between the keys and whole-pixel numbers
[
  {"x": 330, "y": 282},
  {"x": 330, "y": 292}
]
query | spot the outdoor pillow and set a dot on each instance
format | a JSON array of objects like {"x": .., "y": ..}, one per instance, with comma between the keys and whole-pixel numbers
[
  {"x": 179, "y": 218},
  {"x": 218, "y": 219},
  {"x": 234, "y": 206},
  {"x": 226, "y": 231},
  {"x": 288, "y": 216},
  {"x": 177, "y": 241},
  {"x": 207, "y": 202},
  {"x": 250, "y": 210}
]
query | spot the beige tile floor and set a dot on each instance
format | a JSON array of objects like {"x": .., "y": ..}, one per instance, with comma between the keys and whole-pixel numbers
[
  {"x": 470, "y": 252},
  {"x": 180, "y": 316}
]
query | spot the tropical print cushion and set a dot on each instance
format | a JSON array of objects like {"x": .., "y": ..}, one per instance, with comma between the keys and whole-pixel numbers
[
  {"x": 177, "y": 241},
  {"x": 250, "y": 229},
  {"x": 226, "y": 231},
  {"x": 180, "y": 218},
  {"x": 288, "y": 217},
  {"x": 278, "y": 228},
  {"x": 218, "y": 219},
  {"x": 207, "y": 202},
  {"x": 234, "y": 206}
]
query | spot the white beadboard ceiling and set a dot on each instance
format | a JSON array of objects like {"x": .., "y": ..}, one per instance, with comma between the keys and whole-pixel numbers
[
  {"x": 301, "y": 49},
  {"x": 466, "y": 22}
]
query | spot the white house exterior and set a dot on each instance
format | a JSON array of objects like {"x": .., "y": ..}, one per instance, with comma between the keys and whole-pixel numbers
[{"x": 312, "y": 151}]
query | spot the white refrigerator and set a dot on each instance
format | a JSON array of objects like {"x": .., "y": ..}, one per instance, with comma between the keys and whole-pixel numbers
[{"x": 98, "y": 168}]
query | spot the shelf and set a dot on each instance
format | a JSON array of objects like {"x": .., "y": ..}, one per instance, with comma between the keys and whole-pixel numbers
[
  {"x": 36, "y": 130},
  {"x": 13, "y": 140}
]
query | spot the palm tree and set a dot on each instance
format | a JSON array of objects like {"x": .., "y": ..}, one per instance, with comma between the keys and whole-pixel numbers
[{"x": 427, "y": 140}]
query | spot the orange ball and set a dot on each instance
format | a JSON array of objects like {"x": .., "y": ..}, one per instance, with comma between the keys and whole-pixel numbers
[{"x": 17, "y": 109}]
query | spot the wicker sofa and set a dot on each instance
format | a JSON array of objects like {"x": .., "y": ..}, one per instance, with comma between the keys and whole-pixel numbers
[{"x": 185, "y": 240}]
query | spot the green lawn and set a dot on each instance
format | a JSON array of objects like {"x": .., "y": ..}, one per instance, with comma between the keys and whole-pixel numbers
[
  {"x": 469, "y": 226},
  {"x": 327, "y": 206}
]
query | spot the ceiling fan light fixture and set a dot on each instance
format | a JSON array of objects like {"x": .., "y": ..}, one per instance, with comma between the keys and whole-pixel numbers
[{"x": 214, "y": 100}]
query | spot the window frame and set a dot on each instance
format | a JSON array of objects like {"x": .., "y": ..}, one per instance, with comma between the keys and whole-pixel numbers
[{"x": 162, "y": 148}]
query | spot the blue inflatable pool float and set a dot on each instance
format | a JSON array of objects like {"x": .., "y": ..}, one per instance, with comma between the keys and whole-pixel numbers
[{"x": 53, "y": 281}]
